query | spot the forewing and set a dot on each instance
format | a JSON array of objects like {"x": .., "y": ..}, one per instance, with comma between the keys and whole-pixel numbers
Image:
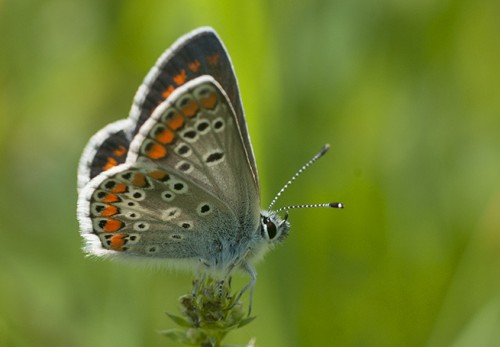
[{"x": 198, "y": 53}]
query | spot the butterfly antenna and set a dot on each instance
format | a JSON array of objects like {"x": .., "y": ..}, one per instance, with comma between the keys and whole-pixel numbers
[
  {"x": 297, "y": 174},
  {"x": 330, "y": 204}
]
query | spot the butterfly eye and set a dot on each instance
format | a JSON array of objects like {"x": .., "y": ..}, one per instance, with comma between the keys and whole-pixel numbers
[{"x": 269, "y": 229}]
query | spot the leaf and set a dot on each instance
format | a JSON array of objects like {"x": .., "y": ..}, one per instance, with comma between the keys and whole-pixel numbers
[
  {"x": 246, "y": 321},
  {"x": 176, "y": 335},
  {"x": 179, "y": 320}
]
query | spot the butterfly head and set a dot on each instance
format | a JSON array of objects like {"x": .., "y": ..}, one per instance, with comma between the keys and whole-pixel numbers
[{"x": 273, "y": 229}]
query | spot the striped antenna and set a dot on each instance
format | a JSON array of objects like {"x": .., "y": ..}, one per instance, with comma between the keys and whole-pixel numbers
[
  {"x": 330, "y": 204},
  {"x": 294, "y": 177}
]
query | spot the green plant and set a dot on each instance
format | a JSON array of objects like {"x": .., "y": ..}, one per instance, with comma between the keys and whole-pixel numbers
[{"x": 208, "y": 314}]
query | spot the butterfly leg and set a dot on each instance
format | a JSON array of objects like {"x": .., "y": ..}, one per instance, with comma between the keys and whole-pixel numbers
[
  {"x": 221, "y": 285},
  {"x": 250, "y": 285}
]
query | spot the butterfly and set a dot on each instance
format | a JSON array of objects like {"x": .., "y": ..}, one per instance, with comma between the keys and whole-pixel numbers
[{"x": 176, "y": 182}]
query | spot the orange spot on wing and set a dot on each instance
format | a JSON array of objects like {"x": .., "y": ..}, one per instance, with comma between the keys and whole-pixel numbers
[
  {"x": 194, "y": 66},
  {"x": 180, "y": 78},
  {"x": 159, "y": 175},
  {"x": 156, "y": 151},
  {"x": 111, "y": 198},
  {"x": 210, "y": 101},
  {"x": 112, "y": 225},
  {"x": 117, "y": 241},
  {"x": 119, "y": 188},
  {"x": 110, "y": 210},
  {"x": 110, "y": 163},
  {"x": 175, "y": 122},
  {"x": 213, "y": 59},
  {"x": 139, "y": 180},
  {"x": 165, "y": 136},
  {"x": 120, "y": 151},
  {"x": 190, "y": 109},
  {"x": 166, "y": 93}
]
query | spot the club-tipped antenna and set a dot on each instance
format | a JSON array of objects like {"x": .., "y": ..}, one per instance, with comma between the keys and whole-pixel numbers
[
  {"x": 330, "y": 205},
  {"x": 297, "y": 174}
]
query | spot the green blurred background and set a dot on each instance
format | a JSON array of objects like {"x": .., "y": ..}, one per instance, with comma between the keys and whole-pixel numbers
[{"x": 406, "y": 92}]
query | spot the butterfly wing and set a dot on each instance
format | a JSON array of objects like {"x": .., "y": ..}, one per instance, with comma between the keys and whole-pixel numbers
[
  {"x": 198, "y": 53},
  {"x": 186, "y": 189},
  {"x": 106, "y": 149},
  {"x": 146, "y": 212}
]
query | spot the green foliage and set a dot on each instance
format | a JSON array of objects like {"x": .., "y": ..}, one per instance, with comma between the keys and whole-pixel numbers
[{"x": 209, "y": 313}]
